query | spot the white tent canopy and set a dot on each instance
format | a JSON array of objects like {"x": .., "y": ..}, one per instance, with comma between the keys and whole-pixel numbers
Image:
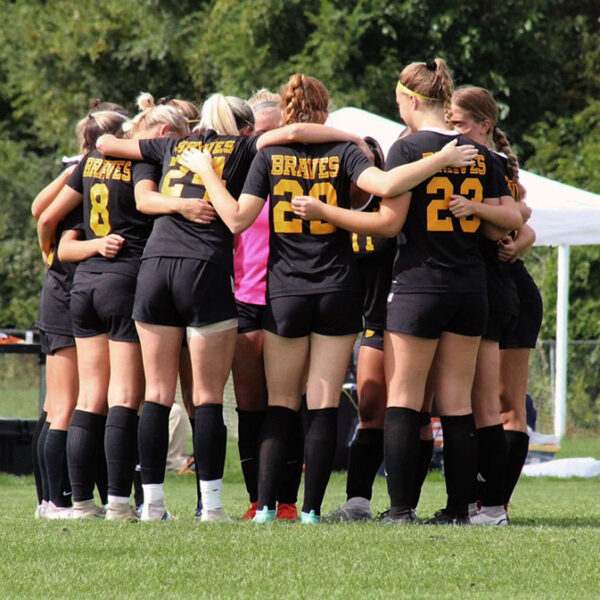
[{"x": 562, "y": 216}]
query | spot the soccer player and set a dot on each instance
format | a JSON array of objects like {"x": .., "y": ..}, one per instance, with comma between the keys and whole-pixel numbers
[{"x": 58, "y": 343}]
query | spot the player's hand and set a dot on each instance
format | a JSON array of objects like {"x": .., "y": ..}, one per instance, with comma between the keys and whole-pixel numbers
[
  {"x": 197, "y": 161},
  {"x": 110, "y": 245},
  {"x": 458, "y": 156},
  {"x": 197, "y": 210},
  {"x": 507, "y": 250},
  {"x": 525, "y": 210},
  {"x": 307, "y": 207},
  {"x": 460, "y": 207}
]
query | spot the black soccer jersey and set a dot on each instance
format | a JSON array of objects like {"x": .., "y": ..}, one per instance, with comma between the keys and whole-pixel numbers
[
  {"x": 501, "y": 287},
  {"x": 107, "y": 185},
  {"x": 307, "y": 257},
  {"x": 173, "y": 235},
  {"x": 375, "y": 258},
  {"x": 64, "y": 271},
  {"x": 442, "y": 252}
]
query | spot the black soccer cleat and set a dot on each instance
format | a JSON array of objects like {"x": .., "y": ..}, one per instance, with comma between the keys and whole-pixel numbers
[{"x": 443, "y": 517}]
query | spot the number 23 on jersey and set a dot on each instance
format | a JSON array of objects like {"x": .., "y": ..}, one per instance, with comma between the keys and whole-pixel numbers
[{"x": 441, "y": 188}]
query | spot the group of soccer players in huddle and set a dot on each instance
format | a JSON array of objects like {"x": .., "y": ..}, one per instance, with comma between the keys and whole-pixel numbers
[{"x": 324, "y": 238}]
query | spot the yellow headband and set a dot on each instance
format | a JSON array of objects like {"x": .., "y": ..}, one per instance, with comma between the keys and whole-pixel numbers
[{"x": 405, "y": 90}]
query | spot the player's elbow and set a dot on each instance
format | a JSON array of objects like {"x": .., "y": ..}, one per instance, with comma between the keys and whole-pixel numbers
[
  {"x": 237, "y": 226},
  {"x": 45, "y": 222}
]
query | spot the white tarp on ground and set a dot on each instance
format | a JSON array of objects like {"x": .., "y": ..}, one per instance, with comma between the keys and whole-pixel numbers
[
  {"x": 564, "y": 467},
  {"x": 561, "y": 214}
]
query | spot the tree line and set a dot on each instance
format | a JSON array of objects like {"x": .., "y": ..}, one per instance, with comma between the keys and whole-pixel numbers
[{"x": 538, "y": 57}]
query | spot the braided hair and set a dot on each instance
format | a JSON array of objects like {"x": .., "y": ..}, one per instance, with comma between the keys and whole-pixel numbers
[{"x": 305, "y": 100}]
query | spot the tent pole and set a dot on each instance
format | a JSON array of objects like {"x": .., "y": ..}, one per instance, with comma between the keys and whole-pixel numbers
[{"x": 562, "y": 340}]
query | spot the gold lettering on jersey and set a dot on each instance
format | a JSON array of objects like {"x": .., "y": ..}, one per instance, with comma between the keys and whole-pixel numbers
[
  {"x": 100, "y": 168},
  {"x": 216, "y": 147},
  {"x": 478, "y": 168},
  {"x": 277, "y": 164},
  {"x": 326, "y": 167},
  {"x": 302, "y": 168},
  {"x": 289, "y": 165}
]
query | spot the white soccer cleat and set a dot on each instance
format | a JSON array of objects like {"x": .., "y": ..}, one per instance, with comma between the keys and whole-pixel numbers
[
  {"x": 58, "y": 512},
  {"x": 214, "y": 515},
  {"x": 121, "y": 512},
  {"x": 40, "y": 510},
  {"x": 489, "y": 516},
  {"x": 155, "y": 512},
  {"x": 87, "y": 510}
]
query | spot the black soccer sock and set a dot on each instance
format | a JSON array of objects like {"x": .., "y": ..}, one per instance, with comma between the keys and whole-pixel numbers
[
  {"x": 249, "y": 427},
  {"x": 294, "y": 464},
  {"x": 460, "y": 461},
  {"x": 210, "y": 442},
  {"x": 42, "y": 461},
  {"x": 82, "y": 452},
  {"x": 277, "y": 429},
  {"x": 364, "y": 460},
  {"x": 423, "y": 463},
  {"x": 400, "y": 445},
  {"x": 120, "y": 440},
  {"x": 101, "y": 468},
  {"x": 57, "y": 469},
  {"x": 153, "y": 441},
  {"x": 37, "y": 473},
  {"x": 517, "y": 446},
  {"x": 491, "y": 460},
  {"x": 425, "y": 456},
  {"x": 319, "y": 451},
  {"x": 198, "y": 490},
  {"x": 138, "y": 491}
]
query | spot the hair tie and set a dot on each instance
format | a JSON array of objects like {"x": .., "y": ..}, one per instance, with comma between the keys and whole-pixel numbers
[{"x": 431, "y": 64}]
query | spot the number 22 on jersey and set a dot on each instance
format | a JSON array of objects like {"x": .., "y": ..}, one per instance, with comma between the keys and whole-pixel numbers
[
  {"x": 169, "y": 188},
  {"x": 284, "y": 191},
  {"x": 469, "y": 187}
]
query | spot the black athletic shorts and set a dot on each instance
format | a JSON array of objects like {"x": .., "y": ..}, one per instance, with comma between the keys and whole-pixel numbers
[
  {"x": 500, "y": 326},
  {"x": 333, "y": 313},
  {"x": 52, "y": 342},
  {"x": 101, "y": 303},
  {"x": 373, "y": 338},
  {"x": 250, "y": 316},
  {"x": 428, "y": 315},
  {"x": 527, "y": 328},
  {"x": 183, "y": 292},
  {"x": 54, "y": 313}
]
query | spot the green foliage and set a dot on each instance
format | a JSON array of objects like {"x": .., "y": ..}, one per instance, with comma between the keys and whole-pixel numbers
[
  {"x": 568, "y": 149},
  {"x": 22, "y": 174}
]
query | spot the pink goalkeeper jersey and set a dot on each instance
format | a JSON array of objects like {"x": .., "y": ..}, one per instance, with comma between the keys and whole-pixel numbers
[{"x": 250, "y": 260}]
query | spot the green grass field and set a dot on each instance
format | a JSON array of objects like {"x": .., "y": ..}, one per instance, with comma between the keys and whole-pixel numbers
[{"x": 550, "y": 549}]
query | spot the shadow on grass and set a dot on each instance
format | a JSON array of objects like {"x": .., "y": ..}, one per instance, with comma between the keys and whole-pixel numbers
[{"x": 566, "y": 522}]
